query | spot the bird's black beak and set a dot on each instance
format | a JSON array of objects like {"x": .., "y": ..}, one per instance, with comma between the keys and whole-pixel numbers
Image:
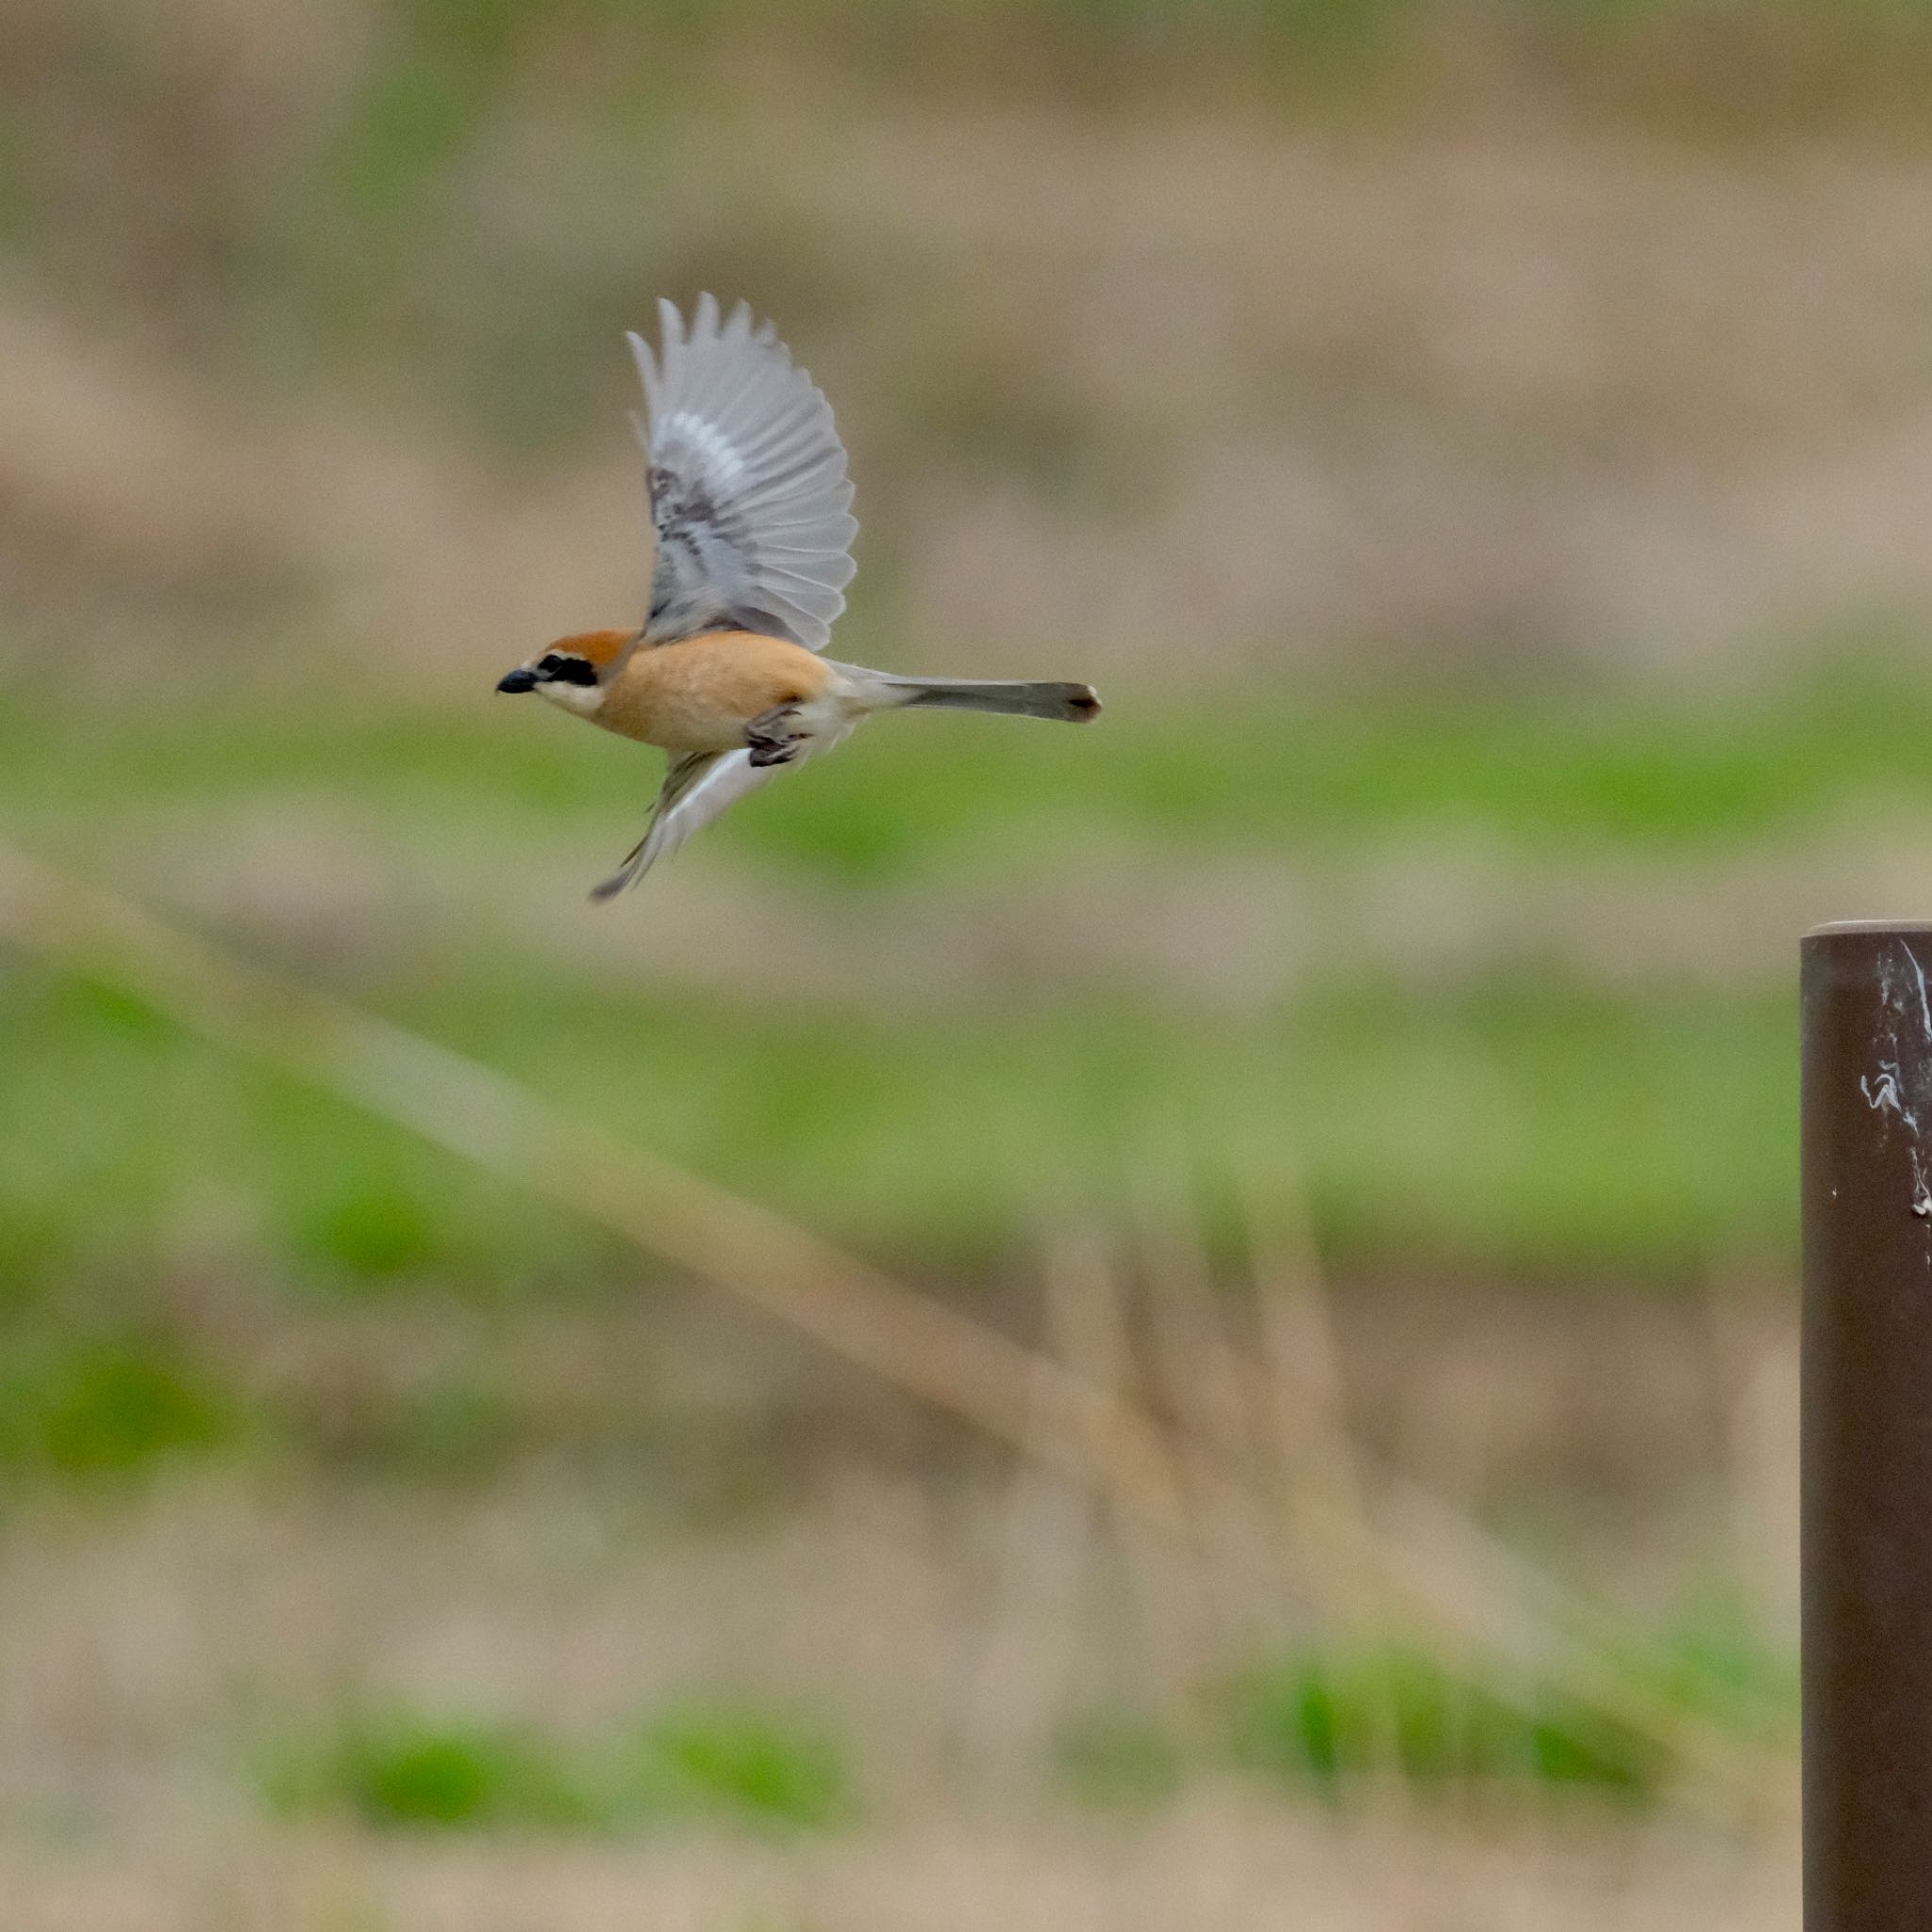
[{"x": 522, "y": 678}]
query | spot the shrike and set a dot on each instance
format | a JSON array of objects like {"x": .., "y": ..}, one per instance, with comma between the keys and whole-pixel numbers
[{"x": 752, "y": 517}]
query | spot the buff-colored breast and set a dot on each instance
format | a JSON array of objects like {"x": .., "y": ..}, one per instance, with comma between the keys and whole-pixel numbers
[{"x": 699, "y": 695}]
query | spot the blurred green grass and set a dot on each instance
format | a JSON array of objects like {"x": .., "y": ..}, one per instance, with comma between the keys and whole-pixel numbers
[
  {"x": 1330, "y": 1717},
  {"x": 1577, "y": 769},
  {"x": 720, "y": 1762},
  {"x": 1515, "y": 1113}
]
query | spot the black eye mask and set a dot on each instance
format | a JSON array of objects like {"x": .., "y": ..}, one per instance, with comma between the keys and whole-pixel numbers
[{"x": 561, "y": 667}]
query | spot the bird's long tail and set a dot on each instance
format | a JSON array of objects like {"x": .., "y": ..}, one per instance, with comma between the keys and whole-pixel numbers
[{"x": 1073, "y": 703}]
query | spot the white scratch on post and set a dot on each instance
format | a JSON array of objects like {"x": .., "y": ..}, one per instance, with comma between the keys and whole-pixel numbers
[{"x": 1925, "y": 1005}]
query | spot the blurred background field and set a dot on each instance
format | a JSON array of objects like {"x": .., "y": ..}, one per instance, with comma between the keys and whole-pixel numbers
[{"x": 1481, "y": 451}]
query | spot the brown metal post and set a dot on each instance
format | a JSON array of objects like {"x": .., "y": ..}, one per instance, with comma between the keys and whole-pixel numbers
[{"x": 1867, "y": 1428}]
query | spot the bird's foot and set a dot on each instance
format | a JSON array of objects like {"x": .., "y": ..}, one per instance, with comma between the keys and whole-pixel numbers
[{"x": 771, "y": 736}]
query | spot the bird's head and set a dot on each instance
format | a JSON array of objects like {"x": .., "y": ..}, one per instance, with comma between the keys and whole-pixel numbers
[{"x": 572, "y": 670}]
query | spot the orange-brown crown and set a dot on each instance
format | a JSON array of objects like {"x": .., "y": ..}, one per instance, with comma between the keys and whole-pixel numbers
[{"x": 599, "y": 646}]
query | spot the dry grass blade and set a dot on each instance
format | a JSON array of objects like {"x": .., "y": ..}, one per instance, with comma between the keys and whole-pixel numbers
[
  {"x": 1089, "y": 1327},
  {"x": 1041, "y": 1549},
  {"x": 1304, "y": 1395},
  {"x": 861, "y": 1313},
  {"x": 1203, "y": 1381}
]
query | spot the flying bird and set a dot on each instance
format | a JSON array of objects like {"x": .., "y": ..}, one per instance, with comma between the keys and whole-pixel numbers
[{"x": 751, "y": 514}]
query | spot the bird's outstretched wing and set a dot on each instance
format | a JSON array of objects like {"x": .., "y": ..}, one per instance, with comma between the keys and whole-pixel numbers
[{"x": 747, "y": 477}]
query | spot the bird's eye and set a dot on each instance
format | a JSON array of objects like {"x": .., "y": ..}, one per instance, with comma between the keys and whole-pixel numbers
[{"x": 549, "y": 663}]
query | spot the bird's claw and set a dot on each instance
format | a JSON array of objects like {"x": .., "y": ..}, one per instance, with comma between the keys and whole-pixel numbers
[{"x": 771, "y": 739}]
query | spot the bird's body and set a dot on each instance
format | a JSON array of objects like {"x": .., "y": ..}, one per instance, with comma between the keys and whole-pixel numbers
[
  {"x": 749, "y": 504},
  {"x": 699, "y": 695}
]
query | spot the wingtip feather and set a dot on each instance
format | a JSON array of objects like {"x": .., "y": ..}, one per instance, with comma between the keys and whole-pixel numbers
[{"x": 670, "y": 325}]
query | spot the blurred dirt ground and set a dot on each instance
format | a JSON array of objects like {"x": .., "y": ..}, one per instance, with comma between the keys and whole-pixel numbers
[
  {"x": 158, "y": 1655},
  {"x": 1215, "y": 1863}
]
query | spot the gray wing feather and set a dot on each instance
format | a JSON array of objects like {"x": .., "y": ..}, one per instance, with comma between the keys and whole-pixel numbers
[
  {"x": 749, "y": 497},
  {"x": 696, "y": 790}
]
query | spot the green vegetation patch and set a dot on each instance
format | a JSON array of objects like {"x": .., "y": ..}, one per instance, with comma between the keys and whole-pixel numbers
[
  {"x": 725, "y": 1762},
  {"x": 1325, "y": 1720},
  {"x": 1584, "y": 770},
  {"x": 1328, "y": 1718},
  {"x": 1538, "y": 1125},
  {"x": 403, "y": 1771},
  {"x": 1338, "y": 1719},
  {"x": 108, "y": 1406},
  {"x": 1331, "y": 1719},
  {"x": 742, "y": 1763}
]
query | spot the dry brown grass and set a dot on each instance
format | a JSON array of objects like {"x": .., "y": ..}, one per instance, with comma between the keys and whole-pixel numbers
[{"x": 1467, "y": 384}]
